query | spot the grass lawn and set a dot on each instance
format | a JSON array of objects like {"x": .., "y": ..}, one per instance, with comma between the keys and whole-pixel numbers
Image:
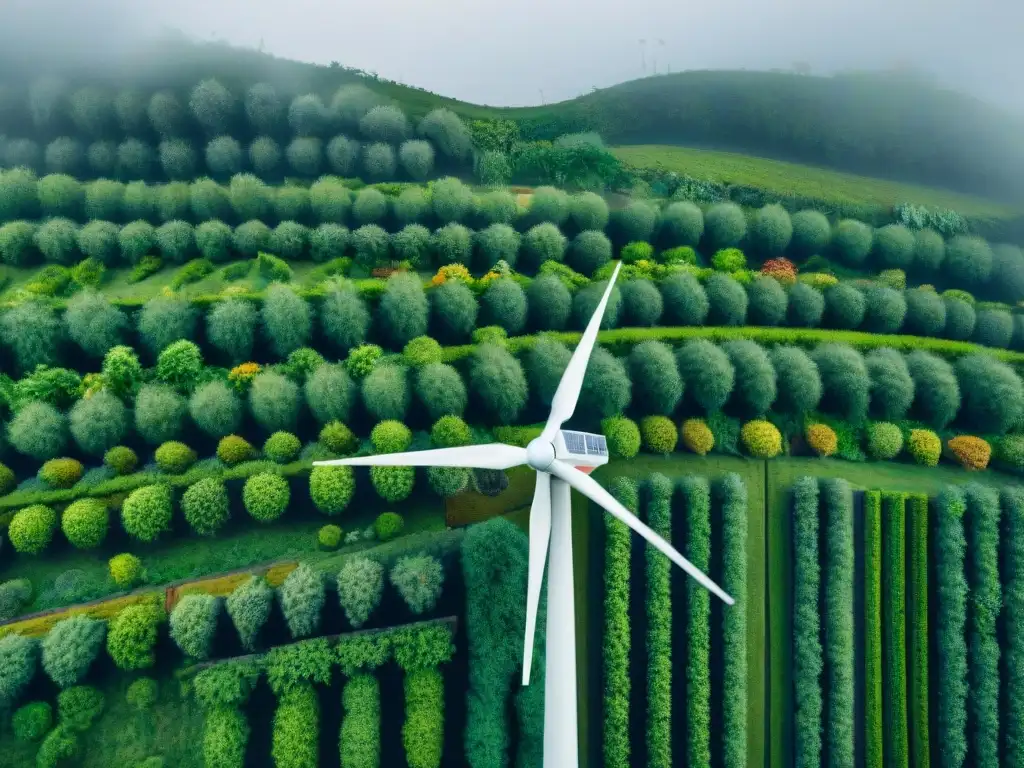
[{"x": 790, "y": 178}]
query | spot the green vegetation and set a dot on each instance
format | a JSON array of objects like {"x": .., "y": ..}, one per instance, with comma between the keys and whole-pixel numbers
[
  {"x": 874, "y": 733},
  {"x": 894, "y": 644}
]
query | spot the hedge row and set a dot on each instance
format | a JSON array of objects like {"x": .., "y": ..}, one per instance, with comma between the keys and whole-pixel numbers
[
  {"x": 296, "y": 729},
  {"x": 874, "y": 733},
  {"x": 917, "y": 628},
  {"x": 951, "y": 620},
  {"x": 423, "y": 731},
  {"x": 1013, "y": 620},
  {"x": 838, "y": 638},
  {"x": 697, "y": 497},
  {"x": 494, "y": 567},
  {"x": 618, "y": 544},
  {"x": 807, "y": 650},
  {"x": 894, "y": 626},
  {"x": 659, "y": 626},
  {"x": 360, "y": 724},
  {"x": 983, "y": 643},
  {"x": 731, "y": 494}
]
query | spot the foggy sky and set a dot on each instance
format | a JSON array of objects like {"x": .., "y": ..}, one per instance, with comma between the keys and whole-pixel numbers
[{"x": 516, "y": 53}]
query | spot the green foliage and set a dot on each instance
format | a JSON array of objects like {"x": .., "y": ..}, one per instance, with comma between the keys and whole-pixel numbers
[
  {"x": 60, "y": 744},
  {"x": 727, "y": 301},
  {"x": 1013, "y": 604},
  {"x": 844, "y": 307},
  {"x": 17, "y": 243},
  {"x": 32, "y": 721},
  {"x": 125, "y": 570},
  {"x": 386, "y": 392},
  {"x": 885, "y": 440},
  {"x": 215, "y": 409},
  {"x": 845, "y": 381},
  {"x": 852, "y": 242},
  {"x": 807, "y": 650},
  {"x": 60, "y": 473},
  {"x": 388, "y": 525},
  {"x": 146, "y": 513},
  {"x": 159, "y": 413},
  {"x": 302, "y": 597},
  {"x": 894, "y": 601},
  {"x": 360, "y": 585},
  {"x": 917, "y": 626},
  {"x": 452, "y": 244},
  {"x": 623, "y": 436},
  {"x": 549, "y": 303},
  {"x": 497, "y": 379},
  {"x": 393, "y": 484},
  {"x": 360, "y": 724},
  {"x": 98, "y": 423},
  {"x": 423, "y": 730},
  {"x": 454, "y": 310},
  {"x": 806, "y": 306},
  {"x": 205, "y": 506},
  {"x": 960, "y": 319},
  {"x": 331, "y": 488},
  {"x": 811, "y": 233},
  {"x": 33, "y": 333},
  {"x": 132, "y": 637},
  {"x": 71, "y": 647},
  {"x": 57, "y": 240},
  {"x": 282, "y": 447},
  {"x": 936, "y": 391},
  {"x": 873, "y": 665},
  {"x": 329, "y": 537},
  {"x": 504, "y": 305},
  {"x": 992, "y": 393},
  {"x": 79, "y": 707},
  {"x": 656, "y": 380},
  {"x": 926, "y": 312},
  {"x": 892, "y": 388},
  {"x": 370, "y": 206},
  {"x": 993, "y": 328},
  {"x": 497, "y": 243},
  {"x": 38, "y": 430},
  {"x": 274, "y": 401},
  {"x": 731, "y": 495},
  {"x": 286, "y": 319},
  {"x": 641, "y": 303},
  {"x": 403, "y": 309},
  {"x": 180, "y": 365},
  {"x": 697, "y": 495},
  {"x": 754, "y": 387},
  {"x": 249, "y": 608},
  {"x": 194, "y": 623},
  {"x": 166, "y": 319},
  {"x": 686, "y": 303},
  {"x": 589, "y": 251},
  {"x": 885, "y": 310},
  {"x": 659, "y": 622},
  {"x": 418, "y": 579},
  {"x": 767, "y": 302},
  {"x": 250, "y": 238},
  {"x": 225, "y": 735},
  {"x": 894, "y": 246},
  {"x": 31, "y": 529},
  {"x": 85, "y": 522},
  {"x": 968, "y": 261},
  {"x": 266, "y": 496},
  {"x": 658, "y": 434}
]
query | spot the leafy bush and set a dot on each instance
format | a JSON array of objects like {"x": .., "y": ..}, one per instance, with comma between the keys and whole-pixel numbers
[
  {"x": 32, "y": 721},
  {"x": 386, "y": 392},
  {"x": 885, "y": 440},
  {"x": 331, "y": 488},
  {"x": 686, "y": 303},
  {"x": 215, "y": 409},
  {"x": 968, "y": 261},
  {"x": 8, "y": 480},
  {"x": 79, "y": 707},
  {"x": 589, "y": 251},
  {"x": 658, "y": 434},
  {"x": 761, "y": 439},
  {"x": 993, "y": 328},
  {"x": 266, "y": 496},
  {"x": 18, "y": 657},
  {"x": 122, "y": 371},
  {"x": 497, "y": 378},
  {"x": 936, "y": 391},
  {"x": 360, "y": 585},
  {"x": 403, "y": 309},
  {"x": 142, "y": 693},
  {"x": 194, "y": 623},
  {"x": 623, "y": 436},
  {"x": 71, "y": 647},
  {"x": 146, "y": 513},
  {"x": 822, "y": 439},
  {"x": 125, "y": 570},
  {"x": 329, "y": 393},
  {"x": 165, "y": 319},
  {"x": 61, "y": 473},
  {"x": 286, "y": 319},
  {"x": 767, "y": 302},
  {"x": 31, "y": 529},
  {"x": 641, "y": 303},
  {"x": 174, "y": 458},
  {"x": 423, "y": 731},
  {"x": 755, "y": 379},
  {"x": 925, "y": 447},
  {"x": 98, "y": 423},
  {"x": 972, "y": 452},
  {"x": 282, "y": 447},
  {"x": 549, "y": 303},
  {"x": 33, "y": 333},
  {"x": 388, "y": 525},
  {"x": 725, "y": 225},
  {"x": 132, "y": 636},
  {"x": 302, "y": 598},
  {"x": 892, "y": 388},
  {"x": 360, "y": 730},
  {"x": 807, "y": 659},
  {"x": 233, "y": 450},
  {"x": 845, "y": 381},
  {"x": 249, "y": 608},
  {"x": 894, "y": 246},
  {"x": 852, "y": 241},
  {"x": 727, "y": 300},
  {"x": 393, "y": 484},
  {"x": 960, "y": 319},
  {"x": 697, "y": 437},
  {"x": 992, "y": 393},
  {"x": 926, "y": 312},
  {"x": 329, "y": 537},
  {"x": 159, "y": 413},
  {"x": 885, "y": 310},
  {"x": 225, "y": 735},
  {"x": 274, "y": 401},
  {"x": 811, "y": 232},
  {"x": 205, "y": 506},
  {"x": 504, "y": 305},
  {"x": 84, "y": 523},
  {"x": 844, "y": 306}
]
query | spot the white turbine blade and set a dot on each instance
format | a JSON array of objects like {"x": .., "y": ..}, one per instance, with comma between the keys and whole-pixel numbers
[
  {"x": 568, "y": 393},
  {"x": 489, "y": 456},
  {"x": 593, "y": 491},
  {"x": 540, "y": 535}
]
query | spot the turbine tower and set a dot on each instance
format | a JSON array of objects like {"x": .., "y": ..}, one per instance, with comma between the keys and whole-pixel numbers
[{"x": 557, "y": 456}]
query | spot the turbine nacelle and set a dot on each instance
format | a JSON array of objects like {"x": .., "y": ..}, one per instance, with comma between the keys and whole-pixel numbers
[{"x": 578, "y": 449}]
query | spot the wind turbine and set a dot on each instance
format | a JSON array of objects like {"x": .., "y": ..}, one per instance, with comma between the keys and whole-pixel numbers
[{"x": 558, "y": 456}]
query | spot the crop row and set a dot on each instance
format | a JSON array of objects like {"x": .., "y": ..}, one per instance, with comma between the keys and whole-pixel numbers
[
  {"x": 807, "y": 652},
  {"x": 894, "y": 627},
  {"x": 838, "y": 620},
  {"x": 874, "y": 734},
  {"x": 659, "y": 490},
  {"x": 731, "y": 495}
]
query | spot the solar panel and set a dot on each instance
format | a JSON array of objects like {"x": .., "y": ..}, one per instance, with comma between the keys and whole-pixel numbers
[
  {"x": 574, "y": 442},
  {"x": 596, "y": 445}
]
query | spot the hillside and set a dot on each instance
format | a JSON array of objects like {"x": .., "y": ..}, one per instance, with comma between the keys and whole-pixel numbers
[{"x": 867, "y": 124}]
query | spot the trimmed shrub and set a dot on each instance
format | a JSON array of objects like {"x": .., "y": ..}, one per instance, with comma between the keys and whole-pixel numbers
[
  {"x": 329, "y": 393},
  {"x": 549, "y": 303},
  {"x": 807, "y": 650},
  {"x": 302, "y": 597},
  {"x": 725, "y": 225},
  {"x": 131, "y": 639},
  {"x": 992, "y": 393},
  {"x": 286, "y": 318},
  {"x": 331, "y": 488},
  {"x": 656, "y": 380},
  {"x": 159, "y": 413},
  {"x": 951, "y": 623},
  {"x": 125, "y": 570},
  {"x": 31, "y": 529},
  {"x": 38, "y": 430},
  {"x": 216, "y": 409},
  {"x": 344, "y": 318},
  {"x": 892, "y": 388},
  {"x": 85, "y": 522},
  {"x": 454, "y": 310},
  {"x": 588, "y": 210},
  {"x": 282, "y": 447},
  {"x": 707, "y": 373},
  {"x": 403, "y": 309},
  {"x": 422, "y": 351},
  {"x": 771, "y": 230},
  {"x": 274, "y": 401},
  {"x": 544, "y": 242},
  {"x": 968, "y": 261},
  {"x": 146, "y": 513},
  {"x": 388, "y": 525},
  {"x": 607, "y": 389},
  {"x": 33, "y": 333},
  {"x": 754, "y": 389},
  {"x": 194, "y": 623},
  {"x": 451, "y": 200},
  {"x": 885, "y": 440},
  {"x": 329, "y": 537},
  {"x": 98, "y": 422},
  {"x": 205, "y": 506},
  {"x": 658, "y": 434},
  {"x": 164, "y": 320},
  {"x": 642, "y": 305},
  {"x": 925, "y": 447},
  {"x": 393, "y": 484},
  {"x": 822, "y": 439},
  {"x": 936, "y": 391},
  {"x": 767, "y": 302},
  {"x": 386, "y": 392},
  {"x": 852, "y": 241},
  {"x": 806, "y": 306},
  {"x": 697, "y": 437},
  {"x": 328, "y": 241},
  {"x": 423, "y": 730},
  {"x": 61, "y": 473},
  {"x": 504, "y": 304},
  {"x": 623, "y": 436},
  {"x": 681, "y": 223},
  {"x": 225, "y": 735},
  {"x": 585, "y": 304},
  {"x": 926, "y": 312},
  {"x": 57, "y": 241},
  {"x": 894, "y": 246},
  {"x": 390, "y": 437},
  {"x": 266, "y": 496},
  {"x": 972, "y": 452},
  {"x": 761, "y": 439},
  {"x": 589, "y": 251},
  {"x": 249, "y": 608},
  {"x": 545, "y": 363},
  {"x": 686, "y": 303},
  {"x": 497, "y": 379},
  {"x": 845, "y": 381},
  {"x": 811, "y": 233},
  {"x": 250, "y": 238},
  {"x": 360, "y": 728},
  {"x": 360, "y": 585},
  {"x": 839, "y": 620},
  {"x": 993, "y": 328},
  {"x": 32, "y": 721},
  {"x": 844, "y": 307},
  {"x": 338, "y": 438},
  {"x": 496, "y": 243},
  {"x": 727, "y": 301},
  {"x": 885, "y": 310},
  {"x": 71, "y": 647},
  {"x": 960, "y": 319}
]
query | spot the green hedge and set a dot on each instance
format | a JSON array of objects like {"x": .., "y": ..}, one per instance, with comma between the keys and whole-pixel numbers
[
  {"x": 360, "y": 724},
  {"x": 618, "y": 543},
  {"x": 225, "y": 735},
  {"x": 1013, "y": 607},
  {"x": 697, "y": 496},
  {"x": 423, "y": 731},
  {"x": 894, "y": 626},
  {"x": 731, "y": 497},
  {"x": 917, "y": 628},
  {"x": 807, "y": 652},
  {"x": 873, "y": 731},
  {"x": 839, "y": 651},
  {"x": 983, "y": 642},
  {"x": 659, "y": 626},
  {"x": 951, "y": 624}
]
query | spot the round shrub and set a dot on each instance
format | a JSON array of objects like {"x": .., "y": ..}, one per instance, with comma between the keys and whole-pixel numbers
[
  {"x": 165, "y": 319},
  {"x": 761, "y": 439},
  {"x": 98, "y": 422},
  {"x": 412, "y": 244},
  {"x": 844, "y": 379},
  {"x": 32, "y": 721},
  {"x": 884, "y": 309},
  {"x": 146, "y": 513},
  {"x": 968, "y": 261},
  {"x": 266, "y": 496},
  {"x": 31, "y": 529},
  {"x": 589, "y": 251},
  {"x": 656, "y": 380},
  {"x": 729, "y": 260},
  {"x": 360, "y": 584},
  {"x": 18, "y": 655},
  {"x": 884, "y": 440},
  {"x": 418, "y": 579},
  {"x": 386, "y": 392},
  {"x": 549, "y": 303},
  {"x": 822, "y": 439},
  {"x": 38, "y": 430},
  {"x": 329, "y": 393},
  {"x": 767, "y": 302},
  {"x": 607, "y": 389},
  {"x": 992, "y": 395},
  {"x": 926, "y": 312},
  {"x": 301, "y": 597},
  {"x": 925, "y": 447},
  {"x": 287, "y": 319},
  {"x": 71, "y": 647},
  {"x": 8, "y": 480},
  {"x": 623, "y": 436},
  {"x": 33, "y": 333},
  {"x": 936, "y": 391},
  {"x": 393, "y": 484},
  {"x": 636, "y": 221},
  {"x": 131, "y": 640},
  {"x": 403, "y": 309},
  {"x": 305, "y": 156},
  {"x": 85, "y": 523},
  {"x": 121, "y": 459},
  {"x": 447, "y": 481},
  {"x": 250, "y": 238},
  {"x": 388, "y": 525},
  {"x": 892, "y": 388},
  {"x": 421, "y": 351},
  {"x": 771, "y": 230},
  {"x": 454, "y": 309},
  {"x": 451, "y": 200},
  {"x": 727, "y": 301},
  {"x": 274, "y": 401},
  {"x": 545, "y": 363},
  {"x": 498, "y": 242},
  {"x": 125, "y": 570},
  {"x": 550, "y": 205},
  {"x": 282, "y": 447},
  {"x": 223, "y": 156},
  {"x": 497, "y": 379},
  {"x": 122, "y": 371},
  {"x": 642, "y": 304},
  {"x": 811, "y": 233},
  {"x": 972, "y": 452},
  {"x": 379, "y": 161},
  {"x": 960, "y": 319},
  {"x": 390, "y": 437},
  {"x": 57, "y": 241},
  {"x": 697, "y": 436},
  {"x": 193, "y": 624},
  {"x": 707, "y": 374},
  {"x": 135, "y": 241},
  {"x": 332, "y": 488},
  {"x": 328, "y": 538},
  {"x": 232, "y": 450},
  {"x": 929, "y": 250},
  {"x": 754, "y": 389},
  {"x": 205, "y": 506},
  {"x": 806, "y": 306},
  {"x": 894, "y": 246},
  {"x": 159, "y": 413},
  {"x": 1007, "y": 271},
  {"x": 61, "y": 473},
  {"x": 417, "y": 158},
  {"x": 452, "y": 244},
  {"x": 681, "y": 223},
  {"x": 844, "y": 307},
  {"x": 588, "y": 210},
  {"x": 288, "y": 240},
  {"x": 584, "y": 305},
  {"x": 993, "y": 328},
  {"x": 215, "y": 409},
  {"x": 852, "y": 241},
  {"x": 142, "y": 693},
  {"x": 725, "y": 225},
  {"x": 686, "y": 303},
  {"x": 504, "y": 304},
  {"x": 180, "y": 365},
  {"x": 658, "y": 434}
]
